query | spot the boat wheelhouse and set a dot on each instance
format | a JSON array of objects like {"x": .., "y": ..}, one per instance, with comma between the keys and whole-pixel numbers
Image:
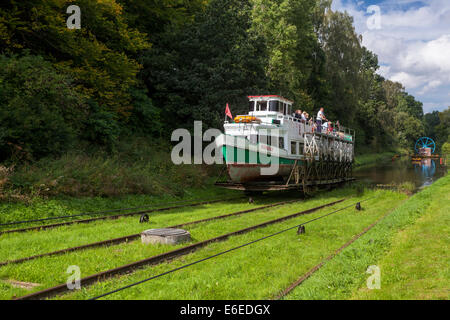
[{"x": 270, "y": 133}]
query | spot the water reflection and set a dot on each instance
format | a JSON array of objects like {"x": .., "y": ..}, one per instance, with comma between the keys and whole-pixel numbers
[
  {"x": 426, "y": 168},
  {"x": 421, "y": 173}
]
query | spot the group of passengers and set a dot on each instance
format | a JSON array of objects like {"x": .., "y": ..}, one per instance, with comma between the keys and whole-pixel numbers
[{"x": 322, "y": 124}]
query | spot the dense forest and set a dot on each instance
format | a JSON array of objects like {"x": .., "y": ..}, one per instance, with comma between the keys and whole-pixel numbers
[{"x": 142, "y": 68}]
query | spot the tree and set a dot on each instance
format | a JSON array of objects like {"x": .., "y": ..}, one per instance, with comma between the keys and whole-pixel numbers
[
  {"x": 431, "y": 121},
  {"x": 153, "y": 16},
  {"x": 443, "y": 129},
  {"x": 407, "y": 129},
  {"x": 343, "y": 52},
  {"x": 446, "y": 148},
  {"x": 192, "y": 72},
  {"x": 41, "y": 112},
  {"x": 99, "y": 56},
  {"x": 288, "y": 31},
  {"x": 407, "y": 103},
  {"x": 393, "y": 90}
]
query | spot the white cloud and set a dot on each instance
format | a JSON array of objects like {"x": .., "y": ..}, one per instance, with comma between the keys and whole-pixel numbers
[
  {"x": 429, "y": 87},
  {"x": 432, "y": 106},
  {"x": 413, "y": 45}
]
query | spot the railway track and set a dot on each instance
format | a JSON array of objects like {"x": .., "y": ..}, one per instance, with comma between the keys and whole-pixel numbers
[
  {"x": 314, "y": 269},
  {"x": 299, "y": 226},
  {"x": 96, "y": 213},
  {"x": 62, "y": 288},
  {"x": 54, "y": 225},
  {"x": 135, "y": 236}
]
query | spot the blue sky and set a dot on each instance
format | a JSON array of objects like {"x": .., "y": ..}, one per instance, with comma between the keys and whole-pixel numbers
[{"x": 412, "y": 41}]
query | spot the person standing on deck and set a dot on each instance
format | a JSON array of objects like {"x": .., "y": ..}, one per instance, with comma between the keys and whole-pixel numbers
[
  {"x": 320, "y": 118},
  {"x": 304, "y": 116}
]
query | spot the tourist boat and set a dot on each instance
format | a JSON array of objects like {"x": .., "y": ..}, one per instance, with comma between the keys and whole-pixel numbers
[{"x": 271, "y": 135}]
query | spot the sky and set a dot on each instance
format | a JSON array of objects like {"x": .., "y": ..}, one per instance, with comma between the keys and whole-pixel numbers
[{"x": 412, "y": 41}]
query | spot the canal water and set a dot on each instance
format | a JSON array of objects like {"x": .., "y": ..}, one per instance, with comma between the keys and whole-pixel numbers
[{"x": 402, "y": 170}]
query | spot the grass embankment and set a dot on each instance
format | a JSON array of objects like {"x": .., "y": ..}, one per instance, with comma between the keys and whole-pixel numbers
[
  {"x": 136, "y": 167},
  {"x": 370, "y": 159},
  {"x": 410, "y": 247},
  {"x": 417, "y": 265},
  {"x": 254, "y": 272}
]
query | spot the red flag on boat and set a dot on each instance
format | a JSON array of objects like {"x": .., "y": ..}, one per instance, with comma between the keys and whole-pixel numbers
[{"x": 228, "y": 112}]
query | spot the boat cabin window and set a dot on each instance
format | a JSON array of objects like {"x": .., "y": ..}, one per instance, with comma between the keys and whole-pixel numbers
[
  {"x": 274, "y": 106},
  {"x": 281, "y": 143},
  {"x": 251, "y": 106},
  {"x": 261, "y": 106},
  {"x": 294, "y": 147},
  {"x": 269, "y": 140},
  {"x": 286, "y": 110},
  {"x": 264, "y": 139}
]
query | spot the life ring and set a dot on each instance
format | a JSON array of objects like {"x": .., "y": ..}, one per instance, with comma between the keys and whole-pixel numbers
[{"x": 246, "y": 119}]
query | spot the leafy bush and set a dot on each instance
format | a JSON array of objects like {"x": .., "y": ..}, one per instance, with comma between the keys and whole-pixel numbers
[
  {"x": 446, "y": 148},
  {"x": 145, "y": 117},
  {"x": 101, "y": 127}
]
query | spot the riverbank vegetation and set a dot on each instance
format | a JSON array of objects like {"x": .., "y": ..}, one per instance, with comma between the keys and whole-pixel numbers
[
  {"x": 70, "y": 100},
  {"x": 369, "y": 159}
]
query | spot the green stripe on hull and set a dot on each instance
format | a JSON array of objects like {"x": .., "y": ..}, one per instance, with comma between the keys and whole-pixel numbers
[{"x": 248, "y": 157}]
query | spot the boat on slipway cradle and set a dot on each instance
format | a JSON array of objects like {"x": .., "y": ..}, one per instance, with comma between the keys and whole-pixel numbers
[{"x": 270, "y": 149}]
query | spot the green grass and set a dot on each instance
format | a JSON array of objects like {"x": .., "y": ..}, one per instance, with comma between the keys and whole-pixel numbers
[
  {"x": 19, "y": 245},
  {"x": 410, "y": 247},
  {"x": 264, "y": 269},
  {"x": 259, "y": 271},
  {"x": 417, "y": 265},
  {"x": 51, "y": 270},
  {"x": 60, "y": 206}
]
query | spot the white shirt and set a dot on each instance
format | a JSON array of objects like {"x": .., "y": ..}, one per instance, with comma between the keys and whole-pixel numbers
[{"x": 320, "y": 115}]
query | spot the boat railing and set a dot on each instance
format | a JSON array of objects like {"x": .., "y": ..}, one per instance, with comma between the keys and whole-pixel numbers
[
  {"x": 310, "y": 126},
  {"x": 332, "y": 129}
]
